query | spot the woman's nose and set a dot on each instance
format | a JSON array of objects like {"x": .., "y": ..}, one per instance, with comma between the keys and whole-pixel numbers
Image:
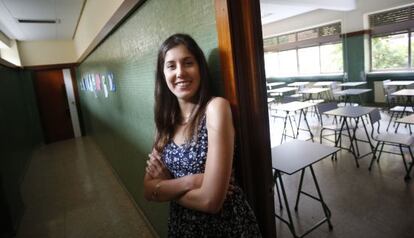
[{"x": 180, "y": 71}]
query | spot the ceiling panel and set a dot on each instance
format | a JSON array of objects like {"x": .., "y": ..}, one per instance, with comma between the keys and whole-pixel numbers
[{"x": 67, "y": 12}]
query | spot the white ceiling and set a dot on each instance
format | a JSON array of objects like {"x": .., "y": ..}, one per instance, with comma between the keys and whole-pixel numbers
[
  {"x": 275, "y": 10},
  {"x": 67, "y": 13}
]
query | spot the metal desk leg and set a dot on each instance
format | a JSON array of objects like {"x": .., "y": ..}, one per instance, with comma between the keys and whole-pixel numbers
[
  {"x": 369, "y": 140},
  {"x": 324, "y": 206},
  {"x": 407, "y": 169},
  {"x": 299, "y": 189},
  {"x": 290, "y": 222},
  {"x": 284, "y": 128},
  {"x": 307, "y": 124},
  {"x": 352, "y": 138}
]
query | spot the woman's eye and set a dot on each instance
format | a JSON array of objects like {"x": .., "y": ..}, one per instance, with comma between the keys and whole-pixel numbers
[{"x": 170, "y": 66}]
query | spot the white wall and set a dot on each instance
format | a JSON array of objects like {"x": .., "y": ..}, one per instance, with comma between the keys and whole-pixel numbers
[
  {"x": 47, "y": 52},
  {"x": 95, "y": 15},
  {"x": 351, "y": 20}
]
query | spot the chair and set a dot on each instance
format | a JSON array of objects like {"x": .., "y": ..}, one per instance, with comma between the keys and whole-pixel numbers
[
  {"x": 324, "y": 107},
  {"x": 388, "y": 90},
  {"x": 275, "y": 114},
  {"x": 397, "y": 140}
]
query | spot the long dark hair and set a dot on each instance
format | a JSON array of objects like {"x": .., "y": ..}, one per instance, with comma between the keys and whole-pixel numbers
[{"x": 166, "y": 111}]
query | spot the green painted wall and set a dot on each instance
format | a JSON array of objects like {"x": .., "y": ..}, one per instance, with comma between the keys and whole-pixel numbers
[
  {"x": 354, "y": 57},
  {"x": 20, "y": 131},
  {"x": 122, "y": 124}
]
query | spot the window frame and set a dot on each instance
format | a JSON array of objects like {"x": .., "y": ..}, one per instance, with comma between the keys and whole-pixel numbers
[
  {"x": 298, "y": 74},
  {"x": 386, "y": 29}
]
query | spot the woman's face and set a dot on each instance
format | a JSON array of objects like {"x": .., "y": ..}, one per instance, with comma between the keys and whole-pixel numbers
[{"x": 181, "y": 73}]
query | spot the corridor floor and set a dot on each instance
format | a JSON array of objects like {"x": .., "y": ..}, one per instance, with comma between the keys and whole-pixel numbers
[{"x": 70, "y": 191}]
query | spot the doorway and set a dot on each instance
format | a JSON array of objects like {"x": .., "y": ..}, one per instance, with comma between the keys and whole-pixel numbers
[{"x": 53, "y": 105}]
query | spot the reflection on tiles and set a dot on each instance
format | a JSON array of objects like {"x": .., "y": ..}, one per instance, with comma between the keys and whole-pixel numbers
[{"x": 69, "y": 191}]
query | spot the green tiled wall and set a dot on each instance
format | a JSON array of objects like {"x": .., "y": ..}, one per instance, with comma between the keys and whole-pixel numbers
[
  {"x": 20, "y": 132},
  {"x": 122, "y": 124}
]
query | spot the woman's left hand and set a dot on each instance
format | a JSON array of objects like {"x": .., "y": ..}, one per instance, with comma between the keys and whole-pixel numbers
[{"x": 156, "y": 168}]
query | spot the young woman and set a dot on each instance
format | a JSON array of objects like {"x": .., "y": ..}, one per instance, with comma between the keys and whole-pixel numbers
[{"x": 191, "y": 162}]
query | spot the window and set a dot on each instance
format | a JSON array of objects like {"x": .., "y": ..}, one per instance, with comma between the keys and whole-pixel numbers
[
  {"x": 331, "y": 58},
  {"x": 308, "y": 52},
  {"x": 392, "y": 39},
  {"x": 309, "y": 60},
  {"x": 271, "y": 64},
  {"x": 287, "y": 63},
  {"x": 390, "y": 52}
]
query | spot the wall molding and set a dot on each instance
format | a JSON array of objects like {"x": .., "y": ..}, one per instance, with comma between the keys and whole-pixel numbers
[{"x": 121, "y": 14}]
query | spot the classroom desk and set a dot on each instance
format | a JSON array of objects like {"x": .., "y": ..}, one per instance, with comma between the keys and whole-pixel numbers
[
  {"x": 274, "y": 84},
  {"x": 298, "y": 84},
  {"x": 292, "y": 157},
  {"x": 326, "y": 84},
  {"x": 347, "y": 93},
  {"x": 409, "y": 120},
  {"x": 282, "y": 90},
  {"x": 290, "y": 108},
  {"x": 279, "y": 92},
  {"x": 355, "y": 113},
  {"x": 311, "y": 91},
  {"x": 399, "y": 83},
  {"x": 352, "y": 84},
  {"x": 408, "y": 93},
  {"x": 323, "y": 83}
]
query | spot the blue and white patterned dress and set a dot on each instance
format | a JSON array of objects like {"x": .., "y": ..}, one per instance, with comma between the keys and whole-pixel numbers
[{"x": 235, "y": 219}]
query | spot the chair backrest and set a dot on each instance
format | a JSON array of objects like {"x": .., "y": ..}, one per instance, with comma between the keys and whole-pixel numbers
[
  {"x": 375, "y": 117},
  {"x": 334, "y": 86},
  {"x": 324, "y": 107}
]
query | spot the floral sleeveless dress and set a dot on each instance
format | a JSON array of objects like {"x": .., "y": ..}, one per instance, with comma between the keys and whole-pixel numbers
[{"x": 235, "y": 219}]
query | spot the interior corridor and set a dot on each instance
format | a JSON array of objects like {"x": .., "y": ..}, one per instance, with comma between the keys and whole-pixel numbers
[{"x": 71, "y": 191}]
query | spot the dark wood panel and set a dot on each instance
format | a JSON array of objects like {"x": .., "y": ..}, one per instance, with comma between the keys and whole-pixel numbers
[
  {"x": 242, "y": 64},
  {"x": 53, "y": 105}
]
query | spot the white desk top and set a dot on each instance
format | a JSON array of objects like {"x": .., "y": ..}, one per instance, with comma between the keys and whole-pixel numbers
[
  {"x": 292, "y": 156},
  {"x": 353, "y": 112},
  {"x": 275, "y": 84},
  {"x": 313, "y": 90},
  {"x": 404, "y": 92},
  {"x": 282, "y": 90},
  {"x": 407, "y": 120},
  {"x": 353, "y": 91},
  {"x": 293, "y": 106},
  {"x": 399, "y": 83},
  {"x": 352, "y": 84},
  {"x": 323, "y": 83},
  {"x": 297, "y": 84}
]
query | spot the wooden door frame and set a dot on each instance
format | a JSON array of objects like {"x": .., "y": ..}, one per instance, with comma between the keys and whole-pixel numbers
[{"x": 242, "y": 67}]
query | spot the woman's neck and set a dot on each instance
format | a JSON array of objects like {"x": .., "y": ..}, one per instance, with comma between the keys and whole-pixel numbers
[{"x": 187, "y": 109}]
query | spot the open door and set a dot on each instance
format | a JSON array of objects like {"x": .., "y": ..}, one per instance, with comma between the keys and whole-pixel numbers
[{"x": 53, "y": 105}]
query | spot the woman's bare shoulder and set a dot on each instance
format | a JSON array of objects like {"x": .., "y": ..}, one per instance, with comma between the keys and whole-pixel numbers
[{"x": 217, "y": 105}]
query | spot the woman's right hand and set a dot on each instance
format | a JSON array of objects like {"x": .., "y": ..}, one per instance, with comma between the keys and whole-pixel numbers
[{"x": 156, "y": 168}]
